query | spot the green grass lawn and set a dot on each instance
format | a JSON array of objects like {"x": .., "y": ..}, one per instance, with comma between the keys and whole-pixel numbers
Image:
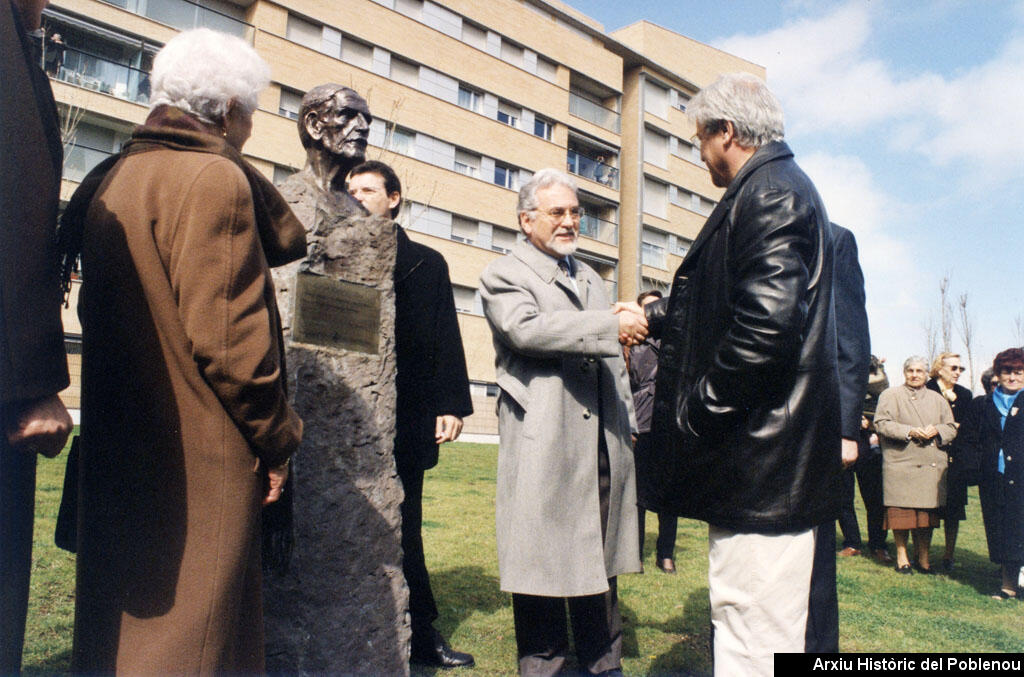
[{"x": 665, "y": 617}]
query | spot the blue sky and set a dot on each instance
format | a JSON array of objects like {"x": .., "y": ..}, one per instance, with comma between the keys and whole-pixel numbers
[{"x": 909, "y": 116}]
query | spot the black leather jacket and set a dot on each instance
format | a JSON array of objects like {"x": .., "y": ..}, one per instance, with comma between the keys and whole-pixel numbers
[{"x": 746, "y": 412}]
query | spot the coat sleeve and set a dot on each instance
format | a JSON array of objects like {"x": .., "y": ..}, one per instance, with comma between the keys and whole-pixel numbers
[
  {"x": 853, "y": 338},
  {"x": 773, "y": 241},
  {"x": 517, "y": 320},
  {"x": 886, "y": 424},
  {"x": 451, "y": 382},
  {"x": 226, "y": 304}
]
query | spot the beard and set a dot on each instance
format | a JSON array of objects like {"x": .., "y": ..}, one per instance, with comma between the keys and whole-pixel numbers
[{"x": 561, "y": 247}]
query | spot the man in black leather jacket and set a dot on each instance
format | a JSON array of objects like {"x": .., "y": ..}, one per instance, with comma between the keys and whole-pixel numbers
[{"x": 746, "y": 413}]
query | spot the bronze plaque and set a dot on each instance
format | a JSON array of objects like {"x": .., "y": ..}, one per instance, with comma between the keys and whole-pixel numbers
[{"x": 336, "y": 314}]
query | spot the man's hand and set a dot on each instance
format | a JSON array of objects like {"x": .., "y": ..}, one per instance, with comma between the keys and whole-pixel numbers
[
  {"x": 632, "y": 323},
  {"x": 275, "y": 483},
  {"x": 849, "y": 451},
  {"x": 447, "y": 429},
  {"x": 40, "y": 427}
]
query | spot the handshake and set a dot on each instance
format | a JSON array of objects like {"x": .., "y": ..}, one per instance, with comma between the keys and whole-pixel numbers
[{"x": 632, "y": 323}]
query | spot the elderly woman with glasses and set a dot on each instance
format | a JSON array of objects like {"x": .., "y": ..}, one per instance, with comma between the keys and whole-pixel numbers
[
  {"x": 996, "y": 434},
  {"x": 913, "y": 423},
  {"x": 946, "y": 371},
  {"x": 186, "y": 429}
]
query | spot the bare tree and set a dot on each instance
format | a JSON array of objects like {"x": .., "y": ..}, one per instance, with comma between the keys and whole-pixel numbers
[
  {"x": 965, "y": 327},
  {"x": 931, "y": 338},
  {"x": 946, "y": 309}
]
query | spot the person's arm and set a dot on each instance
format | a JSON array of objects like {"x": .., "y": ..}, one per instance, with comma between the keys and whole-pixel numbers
[
  {"x": 774, "y": 242},
  {"x": 225, "y": 299},
  {"x": 517, "y": 321},
  {"x": 885, "y": 422},
  {"x": 853, "y": 340},
  {"x": 946, "y": 427}
]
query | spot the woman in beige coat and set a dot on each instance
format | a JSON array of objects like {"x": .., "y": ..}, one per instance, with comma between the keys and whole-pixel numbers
[
  {"x": 913, "y": 423},
  {"x": 186, "y": 429}
]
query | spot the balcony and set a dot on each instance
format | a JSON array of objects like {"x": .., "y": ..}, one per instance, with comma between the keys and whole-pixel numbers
[
  {"x": 592, "y": 169},
  {"x": 79, "y": 161},
  {"x": 592, "y": 111},
  {"x": 599, "y": 229},
  {"x": 92, "y": 72},
  {"x": 183, "y": 15}
]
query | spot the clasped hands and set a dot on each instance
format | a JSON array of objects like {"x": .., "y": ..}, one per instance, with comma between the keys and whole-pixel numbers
[
  {"x": 923, "y": 434},
  {"x": 632, "y": 323}
]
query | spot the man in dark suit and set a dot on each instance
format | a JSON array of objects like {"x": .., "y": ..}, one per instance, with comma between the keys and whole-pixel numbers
[
  {"x": 33, "y": 365},
  {"x": 854, "y": 359},
  {"x": 433, "y": 393}
]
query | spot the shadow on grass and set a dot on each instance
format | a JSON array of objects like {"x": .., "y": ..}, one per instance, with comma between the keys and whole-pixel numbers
[
  {"x": 56, "y": 664},
  {"x": 689, "y": 656}
]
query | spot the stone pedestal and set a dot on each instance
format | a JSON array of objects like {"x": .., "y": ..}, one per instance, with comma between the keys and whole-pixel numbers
[{"x": 342, "y": 605}]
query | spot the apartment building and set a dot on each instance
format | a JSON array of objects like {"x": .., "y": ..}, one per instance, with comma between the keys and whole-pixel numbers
[{"x": 469, "y": 99}]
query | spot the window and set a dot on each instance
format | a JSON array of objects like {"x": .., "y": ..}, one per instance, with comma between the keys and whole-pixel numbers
[
  {"x": 400, "y": 140},
  {"x": 655, "y": 197},
  {"x": 465, "y": 230},
  {"x": 281, "y": 174},
  {"x": 303, "y": 32},
  {"x": 542, "y": 128},
  {"x": 467, "y": 163},
  {"x": 502, "y": 240},
  {"x": 682, "y": 98},
  {"x": 547, "y": 69},
  {"x": 511, "y": 53},
  {"x": 290, "y": 103},
  {"x": 410, "y": 8},
  {"x": 655, "y": 99},
  {"x": 508, "y": 114},
  {"x": 357, "y": 53},
  {"x": 465, "y": 298},
  {"x": 506, "y": 176},
  {"x": 474, "y": 35},
  {"x": 653, "y": 248},
  {"x": 701, "y": 204},
  {"x": 681, "y": 246},
  {"x": 470, "y": 99},
  {"x": 655, "y": 148},
  {"x": 404, "y": 72},
  {"x": 688, "y": 151}
]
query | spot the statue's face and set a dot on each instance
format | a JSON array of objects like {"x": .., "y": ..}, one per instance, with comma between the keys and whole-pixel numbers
[{"x": 344, "y": 128}]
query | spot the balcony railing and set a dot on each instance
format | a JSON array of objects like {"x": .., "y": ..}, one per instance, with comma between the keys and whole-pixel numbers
[
  {"x": 599, "y": 229},
  {"x": 592, "y": 111},
  {"x": 183, "y": 15},
  {"x": 79, "y": 161},
  {"x": 589, "y": 168},
  {"x": 653, "y": 255},
  {"x": 92, "y": 72}
]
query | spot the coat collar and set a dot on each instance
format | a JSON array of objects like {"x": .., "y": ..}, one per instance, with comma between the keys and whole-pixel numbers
[
  {"x": 407, "y": 257},
  {"x": 546, "y": 267},
  {"x": 776, "y": 150}
]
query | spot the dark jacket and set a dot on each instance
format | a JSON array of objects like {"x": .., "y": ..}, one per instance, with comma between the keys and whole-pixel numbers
[
  {"x": 961, "y": 404},
  {"x": 643, "y": 368},
  {"x": 1001, "y": 494},
  {"x": 746, "y": 411},
  {"x": 853, "y": 339},
  {"x": 33, "y": 363},
  {"x": 431, "y": 378}
]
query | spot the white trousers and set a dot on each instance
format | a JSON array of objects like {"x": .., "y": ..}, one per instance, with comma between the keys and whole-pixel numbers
[{"x": 759, "y": 586}]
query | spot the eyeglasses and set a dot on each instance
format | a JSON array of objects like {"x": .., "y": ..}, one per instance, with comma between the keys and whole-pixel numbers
[
  {"x": 558, "y": 213},
  {"x": 957, "y": 368}
]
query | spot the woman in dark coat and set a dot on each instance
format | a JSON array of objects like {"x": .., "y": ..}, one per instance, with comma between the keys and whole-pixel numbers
[
  {"x": 963, "y": 467},
  {"x": 997, "y": 436}
]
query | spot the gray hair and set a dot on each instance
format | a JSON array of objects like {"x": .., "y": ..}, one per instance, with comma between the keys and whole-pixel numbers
[
  {"x": 745, "y": 101},
  {"x": 545, "y": 178},
  {"x": 915, "y": 359},
  {"x": 201, "y": 71}
]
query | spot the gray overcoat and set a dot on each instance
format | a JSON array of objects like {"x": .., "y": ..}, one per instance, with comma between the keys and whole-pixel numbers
[
  {"x": 555, "y": 351},
  {"x": 913, "y": 474}
]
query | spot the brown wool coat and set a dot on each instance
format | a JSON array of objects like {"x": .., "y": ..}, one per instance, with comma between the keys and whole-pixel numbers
[{"x": 182, "y": 391}]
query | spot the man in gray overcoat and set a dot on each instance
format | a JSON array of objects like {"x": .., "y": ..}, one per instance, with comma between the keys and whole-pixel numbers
[{"x": 566, "y": 495}]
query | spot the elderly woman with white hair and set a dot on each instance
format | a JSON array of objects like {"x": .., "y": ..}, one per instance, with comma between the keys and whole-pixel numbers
[
  {"x": 913, "y": 425},
  {"x": 186, "y": 429}
]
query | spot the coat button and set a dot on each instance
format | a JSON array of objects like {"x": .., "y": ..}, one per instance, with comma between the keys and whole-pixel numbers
[
  {"x": 591, "y": 359},
  {"x": 586, "y": 413},
  {"x": 1009, "y": 458},
  {"x": 1011, "y": 481}
]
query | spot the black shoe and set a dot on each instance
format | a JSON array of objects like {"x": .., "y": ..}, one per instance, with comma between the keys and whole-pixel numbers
[
  {"x": 930, "y": 571},
  {"x": 439, "y": 655},
  {"x": 947, "y": 566},
  {"x": 905, "y": 569},
  {"x": 666, "y": 564}
]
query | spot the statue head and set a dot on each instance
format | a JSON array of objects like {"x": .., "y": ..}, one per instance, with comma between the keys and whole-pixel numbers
[{"x": 335, "y": 120}]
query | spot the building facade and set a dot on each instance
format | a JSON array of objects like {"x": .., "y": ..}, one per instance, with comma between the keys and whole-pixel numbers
[{"x": 468, "y": 98}]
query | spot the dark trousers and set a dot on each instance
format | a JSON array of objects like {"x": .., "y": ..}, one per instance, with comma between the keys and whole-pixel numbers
[
  {"x": 866, "y": 472},
  {"x": 422, "y": 607},
  {"x": 542, "y": 640},
  {"x": 822, "y": 633},
  {"x": 665, "y": 546},
  {"x": 17, "y": 510}
]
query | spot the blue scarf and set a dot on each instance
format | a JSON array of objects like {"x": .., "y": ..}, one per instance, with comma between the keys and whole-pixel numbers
[{"x": 1004, "y": 402}]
